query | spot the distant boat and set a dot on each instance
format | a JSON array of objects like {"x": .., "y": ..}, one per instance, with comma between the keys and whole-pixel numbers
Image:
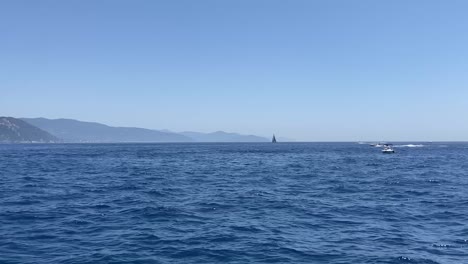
[
  {"x": 388, "y": 149},
  {"x": 274, "y": 139},
  {"x": 377, "y": 145}
]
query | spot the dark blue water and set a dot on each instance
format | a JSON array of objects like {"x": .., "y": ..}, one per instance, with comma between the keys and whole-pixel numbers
[{"x": 233, "y": 203}]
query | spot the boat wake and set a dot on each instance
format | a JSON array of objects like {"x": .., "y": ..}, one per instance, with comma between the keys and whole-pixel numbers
[{"x": 410, "y": 146}]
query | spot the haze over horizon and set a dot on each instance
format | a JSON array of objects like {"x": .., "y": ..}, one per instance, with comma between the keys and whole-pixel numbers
[{"x": 306, "y": 70}]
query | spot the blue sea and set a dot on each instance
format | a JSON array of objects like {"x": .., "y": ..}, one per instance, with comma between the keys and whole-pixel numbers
[{"x": 233, "y": 203}]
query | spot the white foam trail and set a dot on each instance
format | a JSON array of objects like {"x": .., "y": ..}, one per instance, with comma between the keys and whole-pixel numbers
[{"x": 410, "y": 146}]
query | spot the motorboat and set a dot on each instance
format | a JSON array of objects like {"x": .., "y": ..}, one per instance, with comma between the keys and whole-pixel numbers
[{"x": 388, "y": 149}]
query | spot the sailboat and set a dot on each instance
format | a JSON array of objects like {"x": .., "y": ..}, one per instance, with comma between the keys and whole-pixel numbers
[{"x": 274, "y": 139}]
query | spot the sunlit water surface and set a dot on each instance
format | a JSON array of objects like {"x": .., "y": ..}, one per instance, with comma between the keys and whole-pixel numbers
[{"x": 233, "y": 203}]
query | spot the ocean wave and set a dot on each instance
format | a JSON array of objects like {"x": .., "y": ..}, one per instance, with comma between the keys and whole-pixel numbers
[{"x": 240, "y": 203}]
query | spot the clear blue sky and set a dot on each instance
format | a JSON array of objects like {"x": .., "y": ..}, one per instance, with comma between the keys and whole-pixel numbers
[{"x": 303, "y": 69}]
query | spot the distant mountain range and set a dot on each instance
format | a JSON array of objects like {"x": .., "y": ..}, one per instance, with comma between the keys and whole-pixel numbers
[
  {"x": 78, "y": 131},
  {"x": 13, "y": 130},
  {"x": 74, "y": 131}
]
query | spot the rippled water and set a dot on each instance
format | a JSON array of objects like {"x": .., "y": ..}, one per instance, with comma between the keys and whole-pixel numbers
[{"x": 233, "y": 203}]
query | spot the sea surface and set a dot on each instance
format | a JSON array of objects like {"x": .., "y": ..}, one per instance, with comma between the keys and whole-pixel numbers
[{"x": 233, "y": 203}]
